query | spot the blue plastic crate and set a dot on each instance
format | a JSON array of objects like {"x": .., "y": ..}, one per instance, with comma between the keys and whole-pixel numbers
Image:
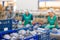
[
  {"x": 30, "y": 38},
  {"x": 12, "y": 31},
  {"x": 45, "y": 35},
  {"x": 6, "y": 32},
  {"x": 5, "y": 24},
  {"x": 35, "y": 37}
]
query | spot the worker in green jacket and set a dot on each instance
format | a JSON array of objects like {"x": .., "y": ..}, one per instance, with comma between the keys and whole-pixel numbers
[
  {"x": 52, "y": 20},
  {"x": 27, "y": 18}
]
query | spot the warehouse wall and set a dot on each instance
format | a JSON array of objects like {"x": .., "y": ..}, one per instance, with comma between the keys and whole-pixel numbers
[
  {"x": 6, "y": 0},
  {"x": 49, "y": 4},
  {"x": 27, "y": 4}
]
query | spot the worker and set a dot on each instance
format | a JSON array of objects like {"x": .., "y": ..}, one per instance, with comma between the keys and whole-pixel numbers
[
  {"x": 10, "y": 14},
  {"x": 17, "y": 13},
  {"x": 27, "y": 18},
  {"x": 52, "y": 19}
]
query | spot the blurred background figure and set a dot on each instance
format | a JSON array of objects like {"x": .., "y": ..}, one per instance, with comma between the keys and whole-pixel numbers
[
  {"x": 6, "y": 8},
  {"x": 17, "y": 13},
  {"x": 10, "y": 14},
  {"x": 27, "y": 18},
  {"x": 1, "y": 7},
  {"x": 52, "y": 19}
]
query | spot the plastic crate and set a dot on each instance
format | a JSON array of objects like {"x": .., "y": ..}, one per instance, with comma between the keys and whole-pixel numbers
[
  {"x": 6, "y": 32},
  {"x": 5, "y": 24},
  {"x": 45, "y": 35},
  {"x": 12, "y": 31},
  {"x": 35, "y": 37}
]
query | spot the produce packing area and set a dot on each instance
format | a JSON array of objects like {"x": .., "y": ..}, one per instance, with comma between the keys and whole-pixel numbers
[{"x": 12, "y": 19}]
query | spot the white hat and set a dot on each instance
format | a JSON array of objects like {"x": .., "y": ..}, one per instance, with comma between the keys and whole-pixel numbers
[
  {"x": 51, "y": 10},
  {"x": 27, "y": 10}
]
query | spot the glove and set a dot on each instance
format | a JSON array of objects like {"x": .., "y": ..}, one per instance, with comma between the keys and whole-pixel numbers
[
  {"x": 50, "y": 26},
  {"x": 20, "y": 23}
]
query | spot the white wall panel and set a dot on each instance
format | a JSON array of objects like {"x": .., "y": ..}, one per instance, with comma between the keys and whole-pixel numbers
[
  {"x": 27, "y": 4},
  {"x": 41, "y": 4},
  {"x": 53, "y": 4}
]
